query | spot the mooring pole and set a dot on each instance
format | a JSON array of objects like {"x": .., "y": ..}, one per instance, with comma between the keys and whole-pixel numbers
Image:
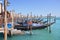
[
  {"x": 30, "y": 30},
  {"x": 12, "y": 19},
  {"x": 31, "y": 24},
  {"x": 12, "y": 16},
  {"x": 50, "y": 23},
  {"x": 34, "y": 16},
  {"x": 27, "y": 16},
  {"x": 55, "y": 19},
  {"x": 5, "y": 28},
  {"x": 47, "y": 21}
]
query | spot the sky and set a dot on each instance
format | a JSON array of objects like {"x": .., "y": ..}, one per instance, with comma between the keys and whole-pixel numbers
[{"x": 37, "y": 7}]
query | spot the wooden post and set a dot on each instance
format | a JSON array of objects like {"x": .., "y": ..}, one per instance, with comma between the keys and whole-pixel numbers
[
  {"x": 31, "y": 25},
  {"x": 12, "y": 16},
  {"x": 30, "y": 30},
  {"x": 49, "y": 22},
  {"x": 12, "y": 19},
  {"x": 55, "y": 19},
  {"x": 20, "y": 15},
  {"x": 12, "y": 13},
  {"x": 27, "y": 20},
  {"x": 34, "y": 16},
  {"x": 40, "y": 16},
  {"x": 5, "y": 28},
  {"x": 37, "y": 16},
  {"x": 31, "y": 15},
  {"x": 27, "y": 16}
]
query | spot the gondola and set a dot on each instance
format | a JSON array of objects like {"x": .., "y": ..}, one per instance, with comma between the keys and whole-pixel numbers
[{"x": 25, "y": 27}]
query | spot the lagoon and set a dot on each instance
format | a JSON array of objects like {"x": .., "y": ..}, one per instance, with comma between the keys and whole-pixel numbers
[{"x": 40, "y": 34}]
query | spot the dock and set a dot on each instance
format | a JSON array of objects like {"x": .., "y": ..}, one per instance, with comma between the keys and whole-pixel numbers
[{"x": 1, "y": 30}]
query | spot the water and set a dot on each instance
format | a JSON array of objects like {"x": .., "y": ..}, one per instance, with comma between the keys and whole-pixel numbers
[{"x": 40, "y": 34}]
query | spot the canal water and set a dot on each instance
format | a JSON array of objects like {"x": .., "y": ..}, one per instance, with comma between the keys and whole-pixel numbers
[{"x": 40, "y": 34}]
